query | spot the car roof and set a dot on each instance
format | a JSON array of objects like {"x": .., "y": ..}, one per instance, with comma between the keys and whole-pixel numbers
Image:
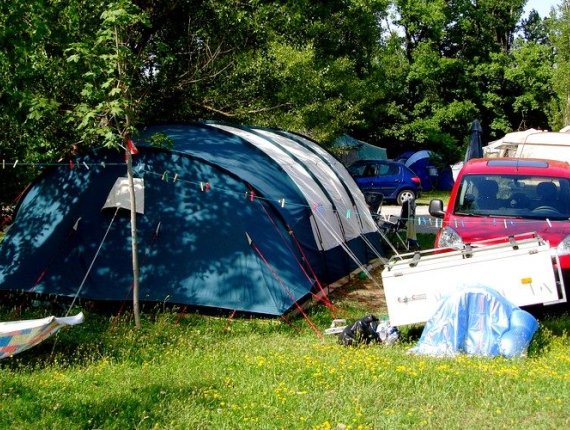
[
  {"x": 377, "y": 161},
  {"x": 525, "y": 166}
]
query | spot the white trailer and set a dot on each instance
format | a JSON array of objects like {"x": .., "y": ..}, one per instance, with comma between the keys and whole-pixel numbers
[
  {"x": 531, "y": 144},
  {"x": 524, "y": 269}
]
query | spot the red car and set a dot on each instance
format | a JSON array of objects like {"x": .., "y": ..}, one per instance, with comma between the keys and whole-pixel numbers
[{"x": 500, "y": 197}]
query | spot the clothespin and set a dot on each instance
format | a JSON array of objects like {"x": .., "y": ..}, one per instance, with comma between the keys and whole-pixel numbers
[
  {"x": 505, "y": 223},
  {"x": 71, "y": 164},
  {"x": 131, "y": 147},
  {"x": 15, "y": 164},
  {"x": 282, "y": 201},
  {"x": 103, "y": 164},
  {"x": 165, "y": 176},
  {"x": 251, "y": 195},
  {"x": 175, "y": 177},
  {"x": 3, "y": 164},
  {"x": 548, "y": 222},
  {"x": 86, "y": 166}
]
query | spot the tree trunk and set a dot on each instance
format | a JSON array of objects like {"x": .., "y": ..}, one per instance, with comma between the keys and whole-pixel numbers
[{"x": 134, "y": 242}]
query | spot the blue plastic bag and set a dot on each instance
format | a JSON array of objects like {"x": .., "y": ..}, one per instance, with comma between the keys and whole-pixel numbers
[{"x": 477, "y": 321}]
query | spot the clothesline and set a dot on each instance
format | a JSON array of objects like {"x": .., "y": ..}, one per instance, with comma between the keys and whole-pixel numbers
[{"x": 282, "y": 201}]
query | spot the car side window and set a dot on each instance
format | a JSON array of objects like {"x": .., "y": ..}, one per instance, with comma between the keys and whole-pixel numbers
[
  {"x": 387, "y": 170},
  {"x": 369, "y": 170},
  {"x": 393, "y": 170}
]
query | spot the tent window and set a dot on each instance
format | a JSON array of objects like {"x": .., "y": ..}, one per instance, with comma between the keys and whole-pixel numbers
[{"x": 119, "y": 196}]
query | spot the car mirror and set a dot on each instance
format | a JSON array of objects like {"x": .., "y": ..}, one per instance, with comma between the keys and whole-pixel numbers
[{"x": 436, "y": 208}]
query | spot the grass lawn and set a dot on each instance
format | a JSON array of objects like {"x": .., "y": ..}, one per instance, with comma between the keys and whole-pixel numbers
[
  {"x": 191, "y": 371},
  {"x": 426, "y": 196},
  {"x": 203, "y": 372}
]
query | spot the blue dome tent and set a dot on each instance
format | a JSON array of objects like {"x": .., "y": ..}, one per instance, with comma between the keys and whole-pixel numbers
[
  {"x": 432, "y": 177},
  {"x": 237, "y": 218}
]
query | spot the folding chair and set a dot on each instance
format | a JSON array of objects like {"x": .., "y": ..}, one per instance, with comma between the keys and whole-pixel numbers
[
  {"x": 374, "y": 201},
  {"x": 405, "y": 222}
]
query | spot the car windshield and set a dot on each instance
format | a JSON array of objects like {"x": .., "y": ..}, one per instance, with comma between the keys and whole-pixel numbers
[{"x": 532, "y": 197}]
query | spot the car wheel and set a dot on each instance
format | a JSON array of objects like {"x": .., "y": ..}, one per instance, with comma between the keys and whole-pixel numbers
[{"x": 405, "y": 195}]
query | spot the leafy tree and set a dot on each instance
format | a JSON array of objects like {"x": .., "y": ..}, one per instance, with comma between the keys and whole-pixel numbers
[
  {"x": 477, "y": 28},
  {"x": 319, "y": 67},
  {"x": 29, "y": 78},
  {"x": 529, "y": 75},
  {"x": 422, "y": 21},
  {"x": 534, "y": 28},
  {"x": 560, "y": 35},
  {"x": 108, "y": 110}
]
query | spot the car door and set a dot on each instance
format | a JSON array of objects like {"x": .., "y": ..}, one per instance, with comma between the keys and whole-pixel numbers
[
  {"x": 365, "y": 175},
  {"x": 379, "y": 176},
  {"x": 388, "y": 179}
]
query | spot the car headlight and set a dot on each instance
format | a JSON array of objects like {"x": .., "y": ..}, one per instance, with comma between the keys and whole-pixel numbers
[
  {"x": 449, "y": 238},
  {"x": 563, "y": 247}
]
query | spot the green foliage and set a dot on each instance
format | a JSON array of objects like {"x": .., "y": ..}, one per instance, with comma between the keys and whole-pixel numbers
[
  {"x": 161, "y": 140},
  {"x": 560, "y": 34},
  {"x": 109, "y": 69},
  {"x": 79, "y": 74}
]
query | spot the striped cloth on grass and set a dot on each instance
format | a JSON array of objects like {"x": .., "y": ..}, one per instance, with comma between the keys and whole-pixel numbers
[{"x": 18, "y": 336}]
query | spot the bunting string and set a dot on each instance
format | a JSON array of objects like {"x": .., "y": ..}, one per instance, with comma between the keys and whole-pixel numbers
[{"x": 281, "y": 201}]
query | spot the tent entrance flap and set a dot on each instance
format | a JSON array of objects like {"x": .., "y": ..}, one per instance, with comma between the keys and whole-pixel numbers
[{"x": 119, "y": 196}]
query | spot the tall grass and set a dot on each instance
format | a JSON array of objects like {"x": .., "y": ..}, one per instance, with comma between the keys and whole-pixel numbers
[
  {"x": 427, "y": 196},
  {"x": 199, "y": 372}
]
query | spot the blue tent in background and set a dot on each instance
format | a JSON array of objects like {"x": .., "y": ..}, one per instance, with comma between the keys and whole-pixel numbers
[
  {"x": 350, "y": 150},
  {"x": 432, "y": 177},
  {"x": 238, "y": 218}
]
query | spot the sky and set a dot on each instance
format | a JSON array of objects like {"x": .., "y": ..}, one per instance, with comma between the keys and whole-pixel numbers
[{"x": 541, "y": 6}]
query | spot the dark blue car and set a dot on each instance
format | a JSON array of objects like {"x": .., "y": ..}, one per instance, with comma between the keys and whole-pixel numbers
[{"x": 394, "y": 180}]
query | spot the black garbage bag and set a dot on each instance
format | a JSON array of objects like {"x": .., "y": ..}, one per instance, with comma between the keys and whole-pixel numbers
[{"x": 363, "y": 331}]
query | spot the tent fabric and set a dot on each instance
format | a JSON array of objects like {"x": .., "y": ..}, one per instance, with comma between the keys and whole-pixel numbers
[
  {"x": 430, "y": 176},
  {"x": 217, "y": 187},
  {"x": 477, "y": 321},
  {"x": 475, "y": 146},
  {"x": 353, "y": 150}
]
